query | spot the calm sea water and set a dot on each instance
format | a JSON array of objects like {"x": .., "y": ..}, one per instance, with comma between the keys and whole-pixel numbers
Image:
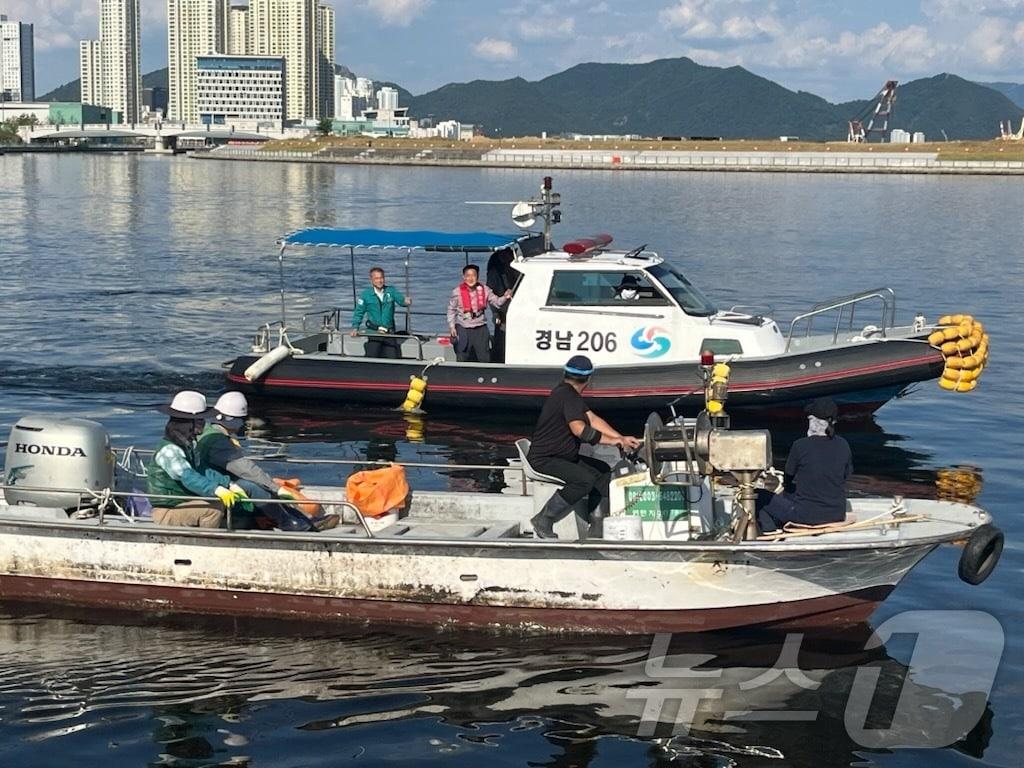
[{"x": 126, "y": 278}]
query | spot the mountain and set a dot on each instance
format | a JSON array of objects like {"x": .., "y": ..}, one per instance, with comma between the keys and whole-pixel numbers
[
  {"x": 678, "y": 97},
  {"x": 73, "y": 91},
  {"x": 667, "y": 97},
  {"x": 1013, "y": 91},
  {"x": 68, "y": 92}
]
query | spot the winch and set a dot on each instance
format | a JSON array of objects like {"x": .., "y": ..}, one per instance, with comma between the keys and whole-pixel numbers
[{"x": 686, "y": 450}]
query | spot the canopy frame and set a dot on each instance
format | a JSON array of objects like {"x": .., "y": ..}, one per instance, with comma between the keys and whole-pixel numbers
[{"x": 389, "y": 240}]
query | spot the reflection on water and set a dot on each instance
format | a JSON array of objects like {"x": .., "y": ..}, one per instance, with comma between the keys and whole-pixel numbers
[
  {"x": 962, "y": 483},
  {"x": 220, "y": 692}
]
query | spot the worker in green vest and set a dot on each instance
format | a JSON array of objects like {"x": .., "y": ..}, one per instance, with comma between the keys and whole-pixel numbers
[
  {"x": 174, "y": 473},
  {"x": 219, "y": 450}
]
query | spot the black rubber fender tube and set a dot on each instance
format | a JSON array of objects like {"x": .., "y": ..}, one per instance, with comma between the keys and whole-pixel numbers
[{"x": 981, "y": 554}]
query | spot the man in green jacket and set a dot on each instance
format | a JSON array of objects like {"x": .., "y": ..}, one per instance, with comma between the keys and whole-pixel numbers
[{"x": 377, "y": 305}]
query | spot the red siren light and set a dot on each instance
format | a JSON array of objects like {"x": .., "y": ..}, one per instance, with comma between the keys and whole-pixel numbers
[
  {"x": 586, "y": 244},
  {"x": 707, "y": 358}
]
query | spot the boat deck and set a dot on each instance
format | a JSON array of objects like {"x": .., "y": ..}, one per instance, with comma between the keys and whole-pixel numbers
[{"x": 463, "y": 517}]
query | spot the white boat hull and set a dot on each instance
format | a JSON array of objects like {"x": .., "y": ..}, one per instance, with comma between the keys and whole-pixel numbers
[{"x": 520, "y": 584}]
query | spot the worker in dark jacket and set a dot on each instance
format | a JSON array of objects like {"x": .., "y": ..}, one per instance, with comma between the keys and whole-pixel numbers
[
  {"x": 219, "y": 449},
  {"x": 817, "y": 469},
  {"x": 376, "y": 305},
  {"x": 565, "y": 423},
  {"x": 501, "y": 277}
]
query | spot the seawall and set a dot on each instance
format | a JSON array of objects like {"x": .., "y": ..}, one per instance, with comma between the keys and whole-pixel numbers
[{"x": 640, "y": 160}]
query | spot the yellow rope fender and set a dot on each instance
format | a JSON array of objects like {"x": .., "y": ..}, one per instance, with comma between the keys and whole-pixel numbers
[
  {"x": 964, "y": 345},
  {"x": 717, "y": 389},
  {"x": 414, "y": 397}
]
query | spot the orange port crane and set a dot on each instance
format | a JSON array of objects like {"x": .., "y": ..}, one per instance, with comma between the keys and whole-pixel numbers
[{"x": 879, "y": 109}]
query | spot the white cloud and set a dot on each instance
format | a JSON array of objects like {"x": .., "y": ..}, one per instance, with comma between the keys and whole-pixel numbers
[
  {"x": 495, "y": 50},
  {"x": 546, "y": 27},
  {"x": 719, "y": 24},
  {"x": 398, "y": 13},
  {"x": 57, "y": 23}
]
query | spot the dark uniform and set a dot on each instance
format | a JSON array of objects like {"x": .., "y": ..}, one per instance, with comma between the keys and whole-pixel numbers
[
  {"x": 816, "y": 473},
  {"x": 555, "y": 450}
]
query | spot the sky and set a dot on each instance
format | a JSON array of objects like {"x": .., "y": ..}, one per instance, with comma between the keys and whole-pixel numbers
[{"x": 838, "y": 50}]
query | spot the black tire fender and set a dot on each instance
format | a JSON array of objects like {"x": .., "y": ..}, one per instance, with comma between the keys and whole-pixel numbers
[{"x": 981, "y": 554}]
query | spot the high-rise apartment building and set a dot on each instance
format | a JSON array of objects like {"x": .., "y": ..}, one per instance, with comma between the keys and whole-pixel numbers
[
  {"x": 238, "y": 30},
  {"x": 89, "y": 71},
  {"x": 17, "y": 61},
  {"x": 292, "y": 29},
  {"x": 194, "y": 28},
  {"x": 325, "y": 60},
  {"x": 111, "y": 65},
  {"x": 120, "y": 75}
]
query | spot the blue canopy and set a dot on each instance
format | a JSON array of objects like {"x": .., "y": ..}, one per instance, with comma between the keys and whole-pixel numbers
[{"x": 381, "y": 238}]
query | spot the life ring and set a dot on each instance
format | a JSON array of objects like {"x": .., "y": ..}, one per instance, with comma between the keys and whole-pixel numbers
[{"x": 981, "y": 554}]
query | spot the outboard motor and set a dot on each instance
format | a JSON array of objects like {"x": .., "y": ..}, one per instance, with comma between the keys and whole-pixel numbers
[{"x": 59, "y": 454}]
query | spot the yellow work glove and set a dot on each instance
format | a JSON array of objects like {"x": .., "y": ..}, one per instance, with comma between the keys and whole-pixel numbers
[
  {"x": 227, "y": 497},
  {"x": 239, "y": 492}
]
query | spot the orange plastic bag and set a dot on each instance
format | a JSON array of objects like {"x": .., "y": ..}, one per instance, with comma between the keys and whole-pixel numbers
[{"x": 378, "y": 491}]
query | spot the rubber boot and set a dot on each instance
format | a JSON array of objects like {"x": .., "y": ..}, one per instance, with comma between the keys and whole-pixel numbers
[
  {"x": 597, "y": 520},
  {"x": 543, "y": 522}
]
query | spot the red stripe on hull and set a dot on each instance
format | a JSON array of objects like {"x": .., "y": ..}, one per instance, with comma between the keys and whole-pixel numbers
[
  {"x": 593, "y": 392},
  {"x": 834, "y": 610}
]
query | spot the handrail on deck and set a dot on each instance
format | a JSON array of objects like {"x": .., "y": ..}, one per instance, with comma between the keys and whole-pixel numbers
[
  {"x": 330, "y": 318},
  {"x": 886, "y": 295}
]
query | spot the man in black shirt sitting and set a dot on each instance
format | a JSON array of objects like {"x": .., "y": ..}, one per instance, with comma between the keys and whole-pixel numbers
[
  {"x": 817, "y": 469},
  {"x": 565, "y": 423}
]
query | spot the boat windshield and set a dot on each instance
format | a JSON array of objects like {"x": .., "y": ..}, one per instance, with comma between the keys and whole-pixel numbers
[{"x": 688, "y": 296}]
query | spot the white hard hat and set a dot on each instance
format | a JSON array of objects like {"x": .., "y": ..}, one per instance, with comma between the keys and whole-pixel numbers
[
  {"x": 233, "y": 405},
  {"x": 187, "y": 404}
]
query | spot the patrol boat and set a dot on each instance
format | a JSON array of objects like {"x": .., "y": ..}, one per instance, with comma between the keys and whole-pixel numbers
[
  {"x": 565, "y": 301},
  {"x": 679, "y": 552}
]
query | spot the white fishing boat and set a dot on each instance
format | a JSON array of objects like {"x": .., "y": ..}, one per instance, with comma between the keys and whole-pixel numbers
[{"x": 680, "y": 551}]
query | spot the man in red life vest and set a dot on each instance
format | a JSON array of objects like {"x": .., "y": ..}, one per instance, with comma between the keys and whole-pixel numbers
[{"x": 467, "y": 323}]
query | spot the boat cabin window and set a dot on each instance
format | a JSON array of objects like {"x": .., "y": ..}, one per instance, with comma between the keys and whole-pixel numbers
[
  {"x": 604, "y": 288},
  {"x": 687, "y": 295}
]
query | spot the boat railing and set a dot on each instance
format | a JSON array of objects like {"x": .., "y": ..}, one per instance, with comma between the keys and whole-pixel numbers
[
  {"x": 111, "y": 502},
  {"x": 334, "y": 323},
  {"x": 845, "y": 308},
  {"x": 130, "y": 459},
  {"x": 751, "y": 310},
  {"x": 337, "y": 319}
]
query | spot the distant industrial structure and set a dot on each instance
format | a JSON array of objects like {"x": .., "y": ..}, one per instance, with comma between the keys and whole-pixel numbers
[
  {"x": 1006, "y": 132},
  {"x": 877, "y": 113},
  {"x": 17, "y": 61}
]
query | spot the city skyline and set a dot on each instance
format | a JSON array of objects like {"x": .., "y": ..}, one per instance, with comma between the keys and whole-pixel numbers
[{"x": 839, "y": 53}]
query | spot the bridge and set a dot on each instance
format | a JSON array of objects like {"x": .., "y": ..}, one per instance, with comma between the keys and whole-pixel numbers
[{"x": 164, "y": 135}]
